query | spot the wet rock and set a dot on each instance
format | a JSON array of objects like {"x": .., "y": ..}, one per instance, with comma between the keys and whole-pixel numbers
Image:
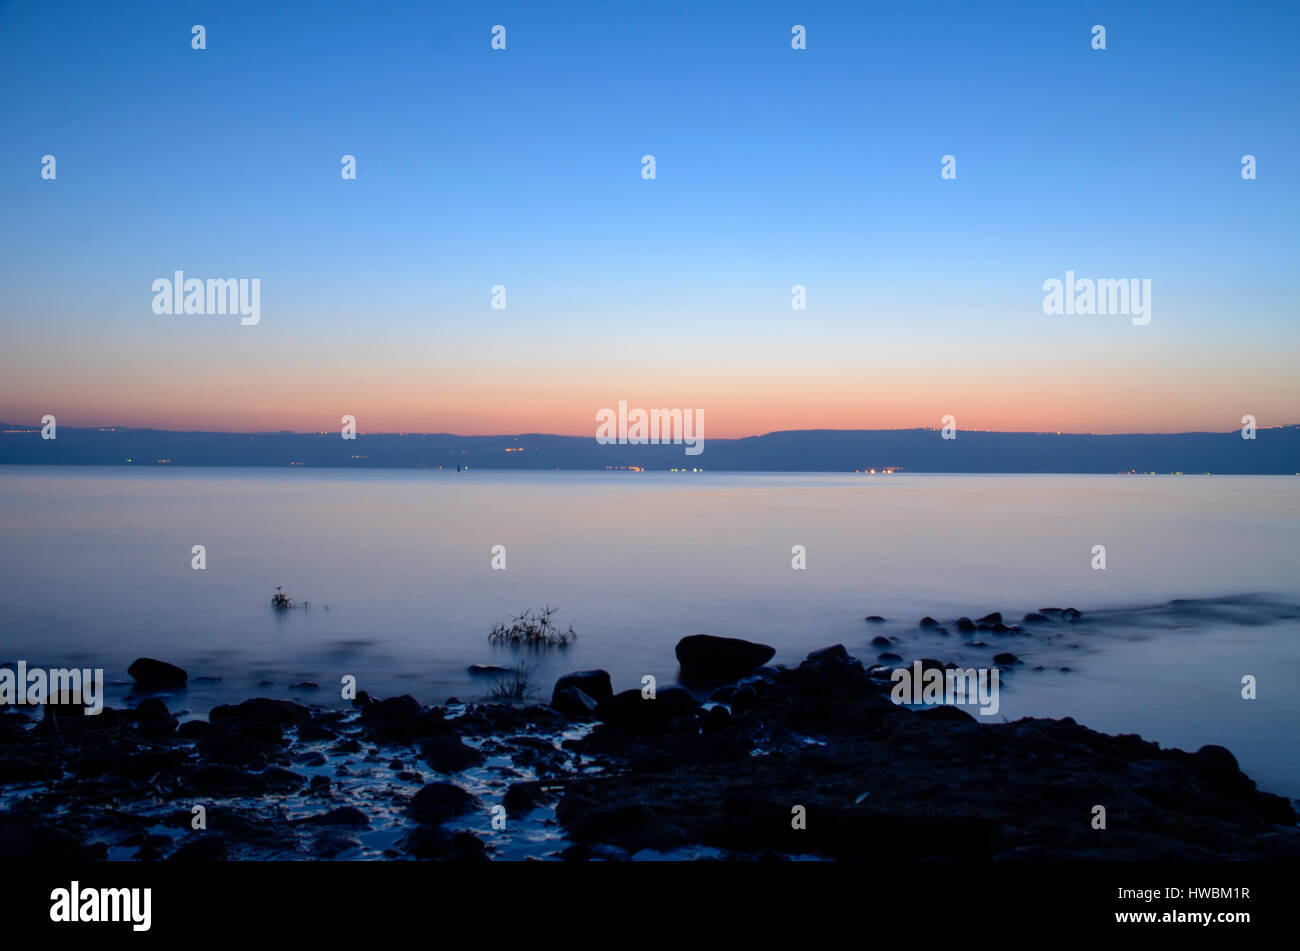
[
  {"x": 194, "y": 729},
  {"x": 744, "y": 699},
  {"x": 466, "y": 847},
  {"x": 1034, "y": 617},
  {"x": 965, "y": 625},
  {"x": 153, "y": 719},
  {"x": 402, "y": 720},
  {"x": 479, "y": 670},
  {"x": 633, "y": 713},
  {"x": 881, "y": 641},
  {"x": 716, "y": 720},
  {"x": 310, "y": 732},
  {"x": 449, "y": 754},
  {"x": 151, "y": 674},
  {"x": 634, "y": 825},
  {"x": 235, "y": 750},
  {"x": 574, "y": 702},
  {"x": 523, "y": 798},
  {"x": 1006, "y": 657},
  {"x": 342, "y": 816},
  {"x": 437, "y": 803},
  {"x": 927, "y": 623},
  {"x": 25, "y": 839},
  {"x": 836, "y": 654},
  {"x": 427, "y": 842},
  {"x": 596, "y": 684},
  {"x": 889, "y": 657},
  {"x": 708, "y": 657},
  {"x": 305, "y": 685},
  {"x": 279, "y": 778},
  {"x": 1071, "y": 615},
  {"x": 15, "y": 768},
  {"x": 262, "y": 710},
  {"x": 218, "y": 779},
  {"x": 875, "y": 619},
  {"x": 311, "y": 758},
  {"x": 332, "y": 844}
]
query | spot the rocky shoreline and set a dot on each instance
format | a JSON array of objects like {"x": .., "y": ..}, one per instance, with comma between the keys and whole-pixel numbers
[{"x": 752, "y": 762}]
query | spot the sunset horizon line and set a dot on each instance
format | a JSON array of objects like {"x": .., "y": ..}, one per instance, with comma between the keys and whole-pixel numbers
[{"x": 10, "y": 427}]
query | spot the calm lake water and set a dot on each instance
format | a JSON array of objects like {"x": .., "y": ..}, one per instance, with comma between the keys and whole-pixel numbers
[{"x": 397, "y": 567}]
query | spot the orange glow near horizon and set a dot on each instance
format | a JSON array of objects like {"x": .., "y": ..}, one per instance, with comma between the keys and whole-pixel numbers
[{"x": 407, "y": 393}]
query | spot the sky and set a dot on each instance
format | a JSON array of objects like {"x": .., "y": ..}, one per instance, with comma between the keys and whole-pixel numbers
[{"x": 775, "y": 167}]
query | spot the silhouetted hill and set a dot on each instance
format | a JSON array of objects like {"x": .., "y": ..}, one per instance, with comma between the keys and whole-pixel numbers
[{"x": 1274, "y": 451}]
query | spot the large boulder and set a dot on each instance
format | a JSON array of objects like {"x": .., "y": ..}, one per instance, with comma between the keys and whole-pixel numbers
[
  {"x": 150, "y": 674},
  {"x": 708, "y": 657}
]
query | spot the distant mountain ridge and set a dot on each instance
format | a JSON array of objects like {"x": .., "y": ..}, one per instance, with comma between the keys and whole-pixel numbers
[{"x": 1274, "y": 451}]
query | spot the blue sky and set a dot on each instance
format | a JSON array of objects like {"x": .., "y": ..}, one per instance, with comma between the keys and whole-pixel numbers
[{"x": 522, "y": 167}]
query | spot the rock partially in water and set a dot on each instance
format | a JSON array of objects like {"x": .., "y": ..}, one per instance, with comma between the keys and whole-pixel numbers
[
  {"x": 596, "y": 684},
  {"x": 709, "y": 657},
  {"x": 523, "y": 798},
  {"x": 151, "y": 674},
  {"x": 574, "y": 702}
]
